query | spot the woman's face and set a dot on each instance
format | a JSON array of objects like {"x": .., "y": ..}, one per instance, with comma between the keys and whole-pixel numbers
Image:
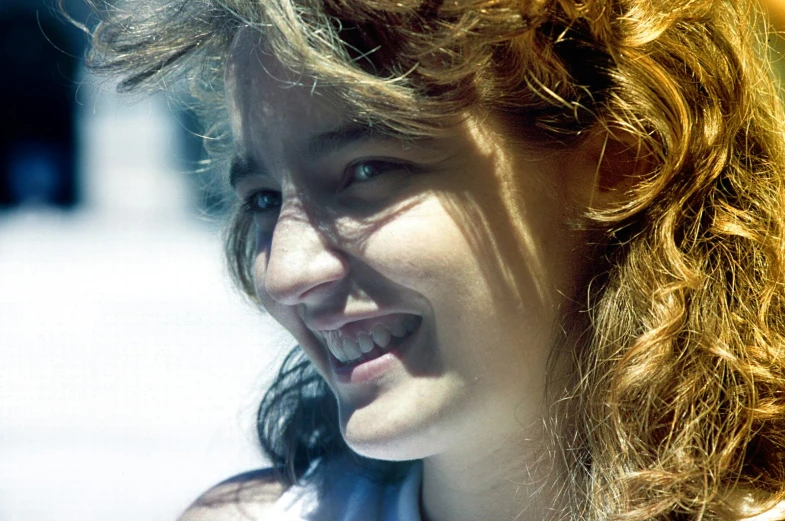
[{"x": 425, "y": 280}]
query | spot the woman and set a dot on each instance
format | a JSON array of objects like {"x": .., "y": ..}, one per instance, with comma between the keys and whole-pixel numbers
[{"x": 531, "y": 250}]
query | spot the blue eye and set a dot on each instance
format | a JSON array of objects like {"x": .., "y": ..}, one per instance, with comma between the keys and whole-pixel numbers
[
  {"x": 366, "y": 170},
  {"x": 264, "y": 201}
]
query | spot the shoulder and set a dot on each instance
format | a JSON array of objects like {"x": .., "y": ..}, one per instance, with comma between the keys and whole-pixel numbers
[{"x": 245, "y": 497}]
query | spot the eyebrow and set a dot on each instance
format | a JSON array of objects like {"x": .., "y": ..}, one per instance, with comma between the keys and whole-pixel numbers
[
  {"x": 333, "y": 140},
  {"x": 319, "y": 146},
  {"x": 243, "y": 167}
]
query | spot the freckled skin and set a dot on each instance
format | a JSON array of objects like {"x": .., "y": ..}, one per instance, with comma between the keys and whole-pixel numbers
[{"x": 489, "y": 277}]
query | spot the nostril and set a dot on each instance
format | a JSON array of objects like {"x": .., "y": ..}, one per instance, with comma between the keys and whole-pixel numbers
[
  {"x": 294, "y": 277},
  {"x": 301, "y": 263}
]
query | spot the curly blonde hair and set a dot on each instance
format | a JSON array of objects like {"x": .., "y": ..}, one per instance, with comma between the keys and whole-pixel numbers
[{"x": 677, "y": 404}]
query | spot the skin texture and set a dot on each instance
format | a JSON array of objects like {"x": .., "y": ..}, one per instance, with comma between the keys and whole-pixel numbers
[{"x": 434, "y": 234}]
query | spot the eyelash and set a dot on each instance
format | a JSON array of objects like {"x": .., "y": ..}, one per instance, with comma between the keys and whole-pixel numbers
[
  {"x": 383, "y": 165},
  {"x": 251, "y": 201},
  {"x": 349, "y": 178}
]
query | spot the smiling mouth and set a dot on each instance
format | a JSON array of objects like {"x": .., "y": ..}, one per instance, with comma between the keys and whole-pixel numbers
[{"x": 366, "y": 344}]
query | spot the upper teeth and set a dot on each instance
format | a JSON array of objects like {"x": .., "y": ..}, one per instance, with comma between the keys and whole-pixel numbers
[
  {"x": 381, "y": 335},
  {"x": 346, "y": 349},
  {"x": 351, "y": 348}
]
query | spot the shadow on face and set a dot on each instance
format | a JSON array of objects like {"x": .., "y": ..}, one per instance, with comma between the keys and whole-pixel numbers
[{"x": 468, "y": 230}]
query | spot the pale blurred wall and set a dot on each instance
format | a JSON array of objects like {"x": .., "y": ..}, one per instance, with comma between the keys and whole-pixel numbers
[{"x": 129, "y": 369}]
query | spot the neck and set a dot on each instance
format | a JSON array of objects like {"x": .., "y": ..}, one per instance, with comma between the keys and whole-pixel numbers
[{"x": 518, "y": 480}]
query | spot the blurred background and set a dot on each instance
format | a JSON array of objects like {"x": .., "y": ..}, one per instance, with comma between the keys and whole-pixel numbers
[{"x": 130, "y": 369}]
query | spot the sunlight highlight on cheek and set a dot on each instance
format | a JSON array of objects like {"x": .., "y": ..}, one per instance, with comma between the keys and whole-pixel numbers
[
  {"x": 417, "y": 244},
  {"x": 500, "y": 213}
]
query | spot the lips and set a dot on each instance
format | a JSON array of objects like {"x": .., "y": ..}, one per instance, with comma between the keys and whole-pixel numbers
[{"x": 369, "y": 338}]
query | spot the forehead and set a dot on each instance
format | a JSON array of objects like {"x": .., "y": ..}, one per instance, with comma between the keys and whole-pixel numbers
[{"x": 268, "y": 100}]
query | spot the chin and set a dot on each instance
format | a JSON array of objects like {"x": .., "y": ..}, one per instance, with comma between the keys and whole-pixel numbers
[
  {"x": 385, "y": 449},
  {"x": 387, "y": 440}
]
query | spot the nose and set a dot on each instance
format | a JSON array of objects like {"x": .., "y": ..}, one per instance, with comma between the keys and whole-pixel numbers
[{"x": 301, "y": 264}]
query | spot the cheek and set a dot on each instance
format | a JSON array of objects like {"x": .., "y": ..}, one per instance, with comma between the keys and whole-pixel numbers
[
  {"x": 289, "y": 318},
  {"x": 422, "y": 249},
  {"x": 282, "y": 314},
  {"x": 440, "y": 257}
]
